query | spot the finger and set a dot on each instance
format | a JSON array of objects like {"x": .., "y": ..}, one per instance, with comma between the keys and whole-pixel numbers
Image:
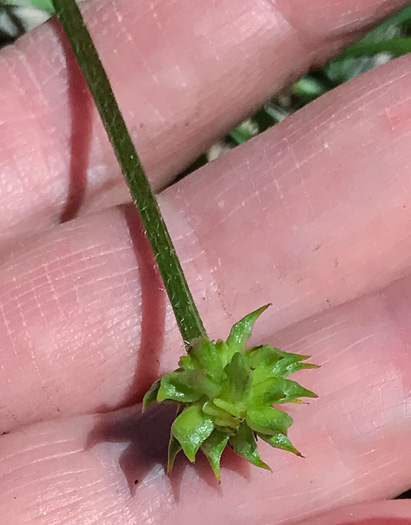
[
  {"x": 85, "y": 322},
  {"x": 376, "y": 513},
  {"x": 315, "y": 211},
  {"x": 184, "y": 73},
  {"x": 354, "y": 438}
]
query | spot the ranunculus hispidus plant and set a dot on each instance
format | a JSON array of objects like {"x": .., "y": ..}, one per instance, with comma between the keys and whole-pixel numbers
[{"x": 224, "y": 393}]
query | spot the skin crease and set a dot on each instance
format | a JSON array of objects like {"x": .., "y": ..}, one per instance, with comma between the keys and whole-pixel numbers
[
  {"x": 85, "y": 325},
  {"x": 375, "y": 513}
]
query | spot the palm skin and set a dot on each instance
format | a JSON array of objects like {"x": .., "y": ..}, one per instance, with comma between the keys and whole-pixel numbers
[{"x": 313, "y": 216}]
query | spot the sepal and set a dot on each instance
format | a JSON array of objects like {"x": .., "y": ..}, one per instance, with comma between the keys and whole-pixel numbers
[
  {"x": 244, "y": 444},
  {"x": 187, "y": 386},
  {"x": 269, "y": 421},
  {"x": 174, "y": 448},
  {"x": 277, "y": 390},
  {"x": 151, "y": 395},
  {"x": 174, "y": 387},
  {"x": 279, "y": 440},
  {"x": 237, "y": 385},
  {"x": 213, "y": 448},
  {"x": 240, "y": 333},
  {"x": 190, "y": 429}
]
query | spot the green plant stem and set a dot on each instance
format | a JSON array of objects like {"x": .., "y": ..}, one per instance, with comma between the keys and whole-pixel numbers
[{"x": 185, "y": 310}]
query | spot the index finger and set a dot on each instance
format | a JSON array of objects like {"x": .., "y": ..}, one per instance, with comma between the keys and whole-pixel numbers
[{"x": 184, "y": 72}]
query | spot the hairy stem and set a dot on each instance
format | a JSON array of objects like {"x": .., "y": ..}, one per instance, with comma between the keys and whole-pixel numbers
[{"x": 185, "y": 310}]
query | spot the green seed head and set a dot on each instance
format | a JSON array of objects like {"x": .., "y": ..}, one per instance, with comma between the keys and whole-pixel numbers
[{"x": 225, "y": 395}]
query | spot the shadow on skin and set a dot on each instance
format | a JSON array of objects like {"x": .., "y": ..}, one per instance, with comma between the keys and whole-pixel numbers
[
  {"x": 404, "y": 495},
  {"x": 81, "y": 111},
  {"x": 147, "y": 435},
  {"x": 153, "y": 310}
]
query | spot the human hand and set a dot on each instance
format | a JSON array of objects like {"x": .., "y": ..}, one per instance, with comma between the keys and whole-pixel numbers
[{"x": 312, "y": 216}]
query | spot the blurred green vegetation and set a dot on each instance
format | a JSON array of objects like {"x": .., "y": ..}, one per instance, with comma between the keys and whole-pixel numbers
[{"x": 390, "y": 39}]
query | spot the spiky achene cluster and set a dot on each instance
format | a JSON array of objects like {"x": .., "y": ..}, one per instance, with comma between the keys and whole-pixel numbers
[{"x": 225, "y": 395}]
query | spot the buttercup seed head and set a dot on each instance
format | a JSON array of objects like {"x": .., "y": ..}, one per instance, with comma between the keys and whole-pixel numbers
[{"x": 225, "y": 395}]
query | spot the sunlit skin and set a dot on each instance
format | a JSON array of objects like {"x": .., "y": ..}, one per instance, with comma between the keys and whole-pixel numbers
[{"x": 313, "y": 217}]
